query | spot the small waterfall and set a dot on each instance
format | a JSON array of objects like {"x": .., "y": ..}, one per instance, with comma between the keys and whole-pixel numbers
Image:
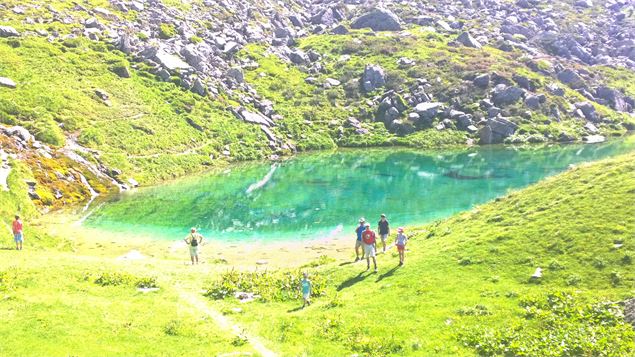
[{"x": 93, "y": 193}]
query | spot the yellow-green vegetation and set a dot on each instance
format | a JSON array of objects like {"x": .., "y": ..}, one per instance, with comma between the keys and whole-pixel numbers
[
  {"x": 466, "y": 286},
  {"x": 145, "y": 128}
]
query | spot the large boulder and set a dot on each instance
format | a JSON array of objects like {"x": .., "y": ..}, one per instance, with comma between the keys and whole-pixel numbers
[
  {"x": 373, "y": 77},
  {"x": 8, "y": 31},
  {"x": 503, "y": 95},
  {"x": 496, "y": 130},
  {"x": 298, "y": 57},
  {"x": 466, "y": 39},
  {"x": 171, "y": 62},
  {"x": 378, "y": 20},
  {"x": 482, "y": 81},
  {"x": 428, "y": 111},
  {"x": 588, "y": 110},
  {"x": 615, "y": 99},
  {"x": 571, "y": 78}
]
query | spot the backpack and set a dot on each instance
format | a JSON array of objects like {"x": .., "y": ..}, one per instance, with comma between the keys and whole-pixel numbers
[{"x": 193, "y": 241}]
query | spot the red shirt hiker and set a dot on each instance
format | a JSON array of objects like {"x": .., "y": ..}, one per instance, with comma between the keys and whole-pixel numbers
[
  {"x": 368, "y": 237},
  {"x": 17, "y": 226}
]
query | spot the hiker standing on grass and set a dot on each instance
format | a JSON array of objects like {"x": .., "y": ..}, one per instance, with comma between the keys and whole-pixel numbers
[
  {"x": 193, "y": 240},
  {"x": 383, "y": 227},
  {"x": 400, "y": 242},
  {"x": 358, "y": 243},
  {"x": 18, "y": 237},
  {"x": 305, "y": 285},
  {"x": 368, "y": 238}
]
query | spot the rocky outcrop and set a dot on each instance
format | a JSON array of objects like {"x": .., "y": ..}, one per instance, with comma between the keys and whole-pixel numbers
[
  {"x": 467, "y": 40},
  {"x": 378, "y": 20},
  {"x": 373, "y": 77},
  {"x": 496, "y": 130},
  {"x": 8, "y": 31}
]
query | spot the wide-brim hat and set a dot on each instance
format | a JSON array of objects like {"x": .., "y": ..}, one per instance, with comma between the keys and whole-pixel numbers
[{"x": 400, "y": 229}]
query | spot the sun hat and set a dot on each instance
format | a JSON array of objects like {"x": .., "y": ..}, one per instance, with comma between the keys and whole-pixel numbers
[
  {"x": 383, "y": 215},
  {"x": 362, "y": 220},
  {"x": 192, "y": 229},
  {"x": 367, "y": 225},
  {"x": 400, "y": 229}
]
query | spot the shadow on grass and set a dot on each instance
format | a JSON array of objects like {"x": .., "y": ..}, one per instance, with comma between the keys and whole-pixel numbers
[
  {"x": 387, "y": 274},
  {"x": 351, "y": 281},
  {"x": 295, "y": 309}
]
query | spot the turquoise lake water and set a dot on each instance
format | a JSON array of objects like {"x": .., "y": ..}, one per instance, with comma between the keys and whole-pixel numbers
[{"x": 316, "y": 195}]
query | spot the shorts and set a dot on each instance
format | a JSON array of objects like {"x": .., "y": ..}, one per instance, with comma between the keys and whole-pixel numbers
[
  {"x": 193, "y": 251},
  {"x": 306, "y": 296},
  {"x": 369, "y": 250},
  {"x": 17, "y": 237},
  {"x": 383, "y": 237},
  {"x": 401, "y": 247},
  {"x": 358, "y": 243}
]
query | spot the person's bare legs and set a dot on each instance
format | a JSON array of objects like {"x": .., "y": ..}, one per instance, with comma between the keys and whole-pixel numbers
[
  {"x": 374, "y": 264},
  {"x": 192, "y": 258},
  {"x": 20, "y": 244},
  {"x": 368, "y": 263},
  {"x": 196, "y": 257},
  {"x": 356, "y": 251},
  {"x": 383, "y": 241}
]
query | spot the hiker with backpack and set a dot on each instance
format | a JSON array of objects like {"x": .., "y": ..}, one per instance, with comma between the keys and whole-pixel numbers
[
  {"x": 368, "y": 237},
  {"x": 193, "y": 240}
]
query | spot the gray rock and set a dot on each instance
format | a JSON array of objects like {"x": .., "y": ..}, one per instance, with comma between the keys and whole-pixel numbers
[
  {"x": 339, "y": 30},
  {"x": 467, "y": 40},
  {"x": 532, "y": 101},
  {"x": 171, "y": 62},
  {"x": 413, "y": 117},
  {"x": 298, "y": 57},
  {"x": 471, "y": 129},
  {"x": 378, "y": 19},
  {"x": 427, "y": 111},
  {"x": 332, "y": 82},
  {"x": 571, "y": 78},
  {"x": 591, "y": 128},
  {"x": 555, "y": 89},
  {"x": 136, "y": 6},
  {"x": 296, "y": 20},
  {"x": 588, "y": 110},
  {"x": 236, "y": 74},
  {"x": 593, "y": 139},
  {"x": 391, "y": 114},
  {"x": 198, "y": 87},
  {"x": 373, "y": 77},
  {"x": 8, "y": 31},
  {"x": 584, "y": 3},
  {"x": 19, "y": 132},
  {"x": 401, "y": 127},
  {"x": 496, "y": 130},
  {"x": 615, "y": 99},
  {"x": 92, "y": 23},
  {"x": 464, "y": 121},
  {"x": 122, "y": 71},
  {"x": 629, "y": 311},
  {"x": 482, "y": 81},
  {"x": 254, "y": 118},
  {"x": 7, "y": 82},
  {"x": 502, "y": 95}
]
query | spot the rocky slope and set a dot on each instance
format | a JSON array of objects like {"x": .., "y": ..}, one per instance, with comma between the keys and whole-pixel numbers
[{"x": 104, "y": 94}]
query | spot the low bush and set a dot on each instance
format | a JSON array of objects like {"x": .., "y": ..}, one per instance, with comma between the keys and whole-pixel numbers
[
  {"x": 270, "y": 286},
  {"x": 119, "y": 278},
  {"x": 561, "y": 326}
]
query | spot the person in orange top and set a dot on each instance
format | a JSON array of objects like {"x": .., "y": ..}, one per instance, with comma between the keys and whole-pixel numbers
[
  {"x": 18, "y": 237},
  {"x": 368, "y": 237}
]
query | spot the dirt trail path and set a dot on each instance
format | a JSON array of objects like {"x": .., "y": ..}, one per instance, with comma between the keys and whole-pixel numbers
[{"x": 225, "y": 323}]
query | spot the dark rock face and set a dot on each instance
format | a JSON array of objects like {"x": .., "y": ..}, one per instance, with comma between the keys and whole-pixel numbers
[
  {"x": 378, "y": 20},
  {"x": 629, "y": 311},
  {"x": 496, "y": 130}
]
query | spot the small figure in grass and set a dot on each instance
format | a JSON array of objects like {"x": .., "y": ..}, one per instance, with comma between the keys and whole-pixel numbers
[
  {"x": 18, "y": 237},
  {"x": 383, "y": 227},
  {"x": 358, "y": 243},
  {"x": 400, "y": 242},
  {"x": 368, "y": 238},
  {"x": 305, "y": 285},
  {"x": 193, "y": 240}
]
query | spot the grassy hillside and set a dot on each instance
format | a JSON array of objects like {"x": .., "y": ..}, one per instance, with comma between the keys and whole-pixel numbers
[
  {"x": 465, "y": 288},
  {"x": 466, "y": 285}
]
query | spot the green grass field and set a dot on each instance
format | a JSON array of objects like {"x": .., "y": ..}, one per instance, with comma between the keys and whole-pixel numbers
[{"x": 465, "y": 288}]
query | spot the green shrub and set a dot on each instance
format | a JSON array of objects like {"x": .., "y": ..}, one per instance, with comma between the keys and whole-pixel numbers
[
  {"x": 476, "y": 310},
  {"x": 119, "y": 278},
  {"x": 563, "y": 326},
  {"x": 166, "y": 31},
  {"x": 196, "y": 39},
  {"x": 270, "y": 286}
]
